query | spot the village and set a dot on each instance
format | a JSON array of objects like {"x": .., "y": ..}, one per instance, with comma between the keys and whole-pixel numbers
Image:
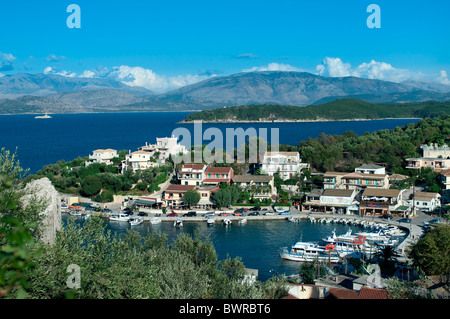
[{"x": 367, "y": 191}]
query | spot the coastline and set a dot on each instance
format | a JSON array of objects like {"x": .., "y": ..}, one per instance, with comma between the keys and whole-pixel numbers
[{"x": 299, "y": 121}]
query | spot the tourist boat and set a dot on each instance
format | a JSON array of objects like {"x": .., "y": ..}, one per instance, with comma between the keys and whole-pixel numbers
[
  {"x": 135, "y": 221},
  {"x": 155, "y": 220},
  {"x": 46, "y": 116},
  {"x": 210, "y": 221},
  {"x": 293, "y": 220},
  {"x": 242, "y": 221},
  {"x": 349, "y": 245},
  {"x": 178, "y": 223},
  {"x": 310, "y": 252},
  {"x": 119, "y": 217},
  {"x": 393, "y": 231},
  {"x": 227, "y": 222}
]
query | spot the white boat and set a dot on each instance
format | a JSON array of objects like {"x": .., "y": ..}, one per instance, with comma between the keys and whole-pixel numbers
[
  {"x": 349, "y": 245},
  {"x": 227, "y": 222},
  {"x": 155, "y": 220},
  {"x": 119, "y": 217},
  {"x": 178, "y": 223},
  {"x": 310, "y": 252},
  {"x": 210, "y": 221},
  {"x": 243, "y": 221},
  {"x": 46, "y": 116},
  {"x": 74, "y": 212},
  {"x": 135, "y": 221}
]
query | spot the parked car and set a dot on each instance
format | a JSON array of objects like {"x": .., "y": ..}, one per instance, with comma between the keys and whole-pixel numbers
[
  {"x": 224, "y": 214},
  {"x": 256, "y": 208},
  {"x": 269, "y": 213},
  {"x": 238, "y": 213},
  {"x": 190, "y": 214},
  {"x": 107, "y": 210},
  {"x": 404, "y": 220},
  {"x": 143, "y": 214},
  {"x": 208, "y": 214},
  {"x": 280, "y": 209},
  {"x": 253, "y": 214},
  {"x": 434, "y": 221},
  {"x": 286, "y": 212},
  {"x": 172, "y": 215},
  {"x": 241, "y": 210}
]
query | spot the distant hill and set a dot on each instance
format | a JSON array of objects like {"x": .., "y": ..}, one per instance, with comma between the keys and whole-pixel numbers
[
  {"x": 50, "y": 93},
  {"x": 271, "y": 87},
  {"x": 341, "y": 109}
]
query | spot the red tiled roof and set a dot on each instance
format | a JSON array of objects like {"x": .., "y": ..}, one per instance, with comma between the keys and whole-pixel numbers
[
  {"x": 216, "y": 180},
  {"x": 446, "y": 172},
  {"x": 193, "y": 166},
  {"x": 179, "y": 188},
  {"x": 342, "y": 293},
  {"x": 218, "y": 170},
  {"x": 364, "y": 293}
]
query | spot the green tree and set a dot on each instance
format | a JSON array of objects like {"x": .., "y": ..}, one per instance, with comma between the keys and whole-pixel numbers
[
  {"x": 90, "y": 186},
  {"x": 191, "y": 197}
]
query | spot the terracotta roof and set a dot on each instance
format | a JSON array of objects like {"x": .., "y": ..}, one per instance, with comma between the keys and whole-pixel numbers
[
  {"x": 193, "y": 166},
  {"x": 218, "y": 170},
  {"x": 215, "y": 180},
  {"x": 254, "y": 178},
  {"x": 445, "y": 172},
  {"x": 338, "y": 192},
  {"x": 381, "y": 192},
  {"x": 425, "y": 196},
  {"x": 281, "y": 153},
  {"x": 364, "y": 293},
  {"x": 179, "y": 188}
]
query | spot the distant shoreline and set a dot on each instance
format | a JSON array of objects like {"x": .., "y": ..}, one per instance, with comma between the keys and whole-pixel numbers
[{"x": 298, "y": 121}]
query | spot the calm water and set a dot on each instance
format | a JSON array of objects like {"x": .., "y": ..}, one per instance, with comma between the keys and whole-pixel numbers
[
  {"x": 68, "y": 136},
  {"x": 258, "y": 242}
]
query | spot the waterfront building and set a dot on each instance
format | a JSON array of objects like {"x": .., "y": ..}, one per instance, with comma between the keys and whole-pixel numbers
[
  {"x": 426, "y": 201},
  {"x": 382, "y": 202},
  {"x": 173, "y": 195},
  {"x": 102, "y": 156},
  {"x": 192, "y": 174},
  {"x": 206, "y": 193},
  {"x": 437, "y": 164},
  {"x": 355, "y": 180},
  {"x": 287, "y": 164},
  {"x": 259, "y": 186},
  {"x": 341, "y": 201},
  {"x": 164, "y": 147},
  {"x": 217, "y": 175}
]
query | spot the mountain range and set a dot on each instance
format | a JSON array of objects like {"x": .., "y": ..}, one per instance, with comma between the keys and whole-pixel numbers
[{"x": 50, "y": 93}]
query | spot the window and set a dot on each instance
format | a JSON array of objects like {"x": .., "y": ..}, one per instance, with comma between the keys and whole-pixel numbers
[{"x": 186, "y": 183}]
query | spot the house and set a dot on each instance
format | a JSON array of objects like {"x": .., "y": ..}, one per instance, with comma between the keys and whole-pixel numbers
[
  {"x": 364, "y": 293},
  {"x": 217, "y": 175},
  {"x": 192, "y": 174},
  {"x": 164, "y": 147},
  {"x": 444, "y": 177},
  {"x": 426, "y": 201},
  {"x": 102, "y": 156},
  {"x": 286, "y": 163},
  {"x": 313, "y": 197},
  {"x": 173, "y": 195},
  {"x": 259, "y": 186},
  {"x": 435, "y": 151},
  {"x": 371, "y": 169},
  {"x": 355, "y": 180},
  {"x": 206, "y": 196},
  {"x": 381, "y": 202},
  {"x": 339, "y": 200},
  {"x": 436, "y": 164},
  {"x": 138, "y": 160}
]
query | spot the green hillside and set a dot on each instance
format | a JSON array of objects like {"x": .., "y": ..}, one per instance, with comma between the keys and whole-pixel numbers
[{"x": 341, "y": 109}]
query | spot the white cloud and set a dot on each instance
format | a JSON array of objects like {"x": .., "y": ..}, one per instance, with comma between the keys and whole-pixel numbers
[
  {"x": 444, "y": 78},
  {"x": 6, "y": 61},
  {"x": 335, "y": 67},
  {"x": 273, "y": 67},
  {"x": 147, "y": 78},
  {"x": 50, "y": 70},
  {"x": 55, "y": 58}
]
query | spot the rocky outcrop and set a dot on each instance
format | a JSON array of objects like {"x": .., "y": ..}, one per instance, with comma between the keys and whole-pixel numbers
[{"x": 43, "y": 195}]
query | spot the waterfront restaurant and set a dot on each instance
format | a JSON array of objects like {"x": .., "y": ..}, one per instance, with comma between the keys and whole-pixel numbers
[
  {"x": 341, "y": 201},
  {"x": 376, "y": 202},
  {"x": 173, "y": 195}
]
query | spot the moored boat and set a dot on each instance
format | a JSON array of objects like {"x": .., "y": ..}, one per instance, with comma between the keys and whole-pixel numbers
[
  {"x": 310, "y": 252},
  {"x": 227, "y": 222},
  {"x": 119, "y": 217},
  {"x": 155, "y": 220},
  {"x": 135, "y": 221},
  {"x": 178, "y": 223}
]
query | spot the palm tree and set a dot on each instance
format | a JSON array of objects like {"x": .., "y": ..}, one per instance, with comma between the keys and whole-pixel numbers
[{"x": 387, "y": 253}]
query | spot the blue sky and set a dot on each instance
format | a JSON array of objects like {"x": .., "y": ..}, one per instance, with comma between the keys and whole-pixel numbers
[{"x": 166, "y": 44}]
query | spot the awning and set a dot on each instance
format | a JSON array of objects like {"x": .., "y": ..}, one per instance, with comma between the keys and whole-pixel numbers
[{"x": 145, "y": 202}]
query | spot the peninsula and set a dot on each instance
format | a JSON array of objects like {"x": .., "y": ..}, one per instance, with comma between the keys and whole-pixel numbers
[{"x": 341, "y": 109}]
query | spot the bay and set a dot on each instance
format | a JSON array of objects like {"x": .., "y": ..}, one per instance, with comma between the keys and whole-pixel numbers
[{"x": 66, "y": 136}]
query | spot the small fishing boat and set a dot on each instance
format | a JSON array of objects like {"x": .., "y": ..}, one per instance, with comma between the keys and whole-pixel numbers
[
  {"x": 155, "y": 220},
  {"x": 227, "y": 222},
  {"x": 242, "y": 221},
  {"x": 178, "y": 223},
  {"x": 135, "y": 221},
  {"x": 210, "y": 221},
  {"x": 75, "y": 212},
  {"x": 119, "y": 217}
]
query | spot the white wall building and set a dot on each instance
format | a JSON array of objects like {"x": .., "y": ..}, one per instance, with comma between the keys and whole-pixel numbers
[
  {"x": 286, "y": 163},
  {"x": 165, "y": 146},
  {"x": 427, "y": 201},
  {"x": 102, "y": 156},
  {"x": 138, "y": 160},
  {"x": 371, "y": 169}
]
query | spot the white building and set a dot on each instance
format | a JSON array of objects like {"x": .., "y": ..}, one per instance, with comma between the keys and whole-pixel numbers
[
  {"x": 192, "y": 174},
  {"x": 165, "y": 146},
  {"x": 138, "y": 160},
  {"x": 427, "y": 201},
  {"x": 286, "y": 163},
  {"x": 102, "y": 156},
  {"x": 371, "y": 169}
]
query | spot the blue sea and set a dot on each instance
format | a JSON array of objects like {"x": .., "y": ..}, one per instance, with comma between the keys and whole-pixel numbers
[{"x": 67, "y": 136}]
